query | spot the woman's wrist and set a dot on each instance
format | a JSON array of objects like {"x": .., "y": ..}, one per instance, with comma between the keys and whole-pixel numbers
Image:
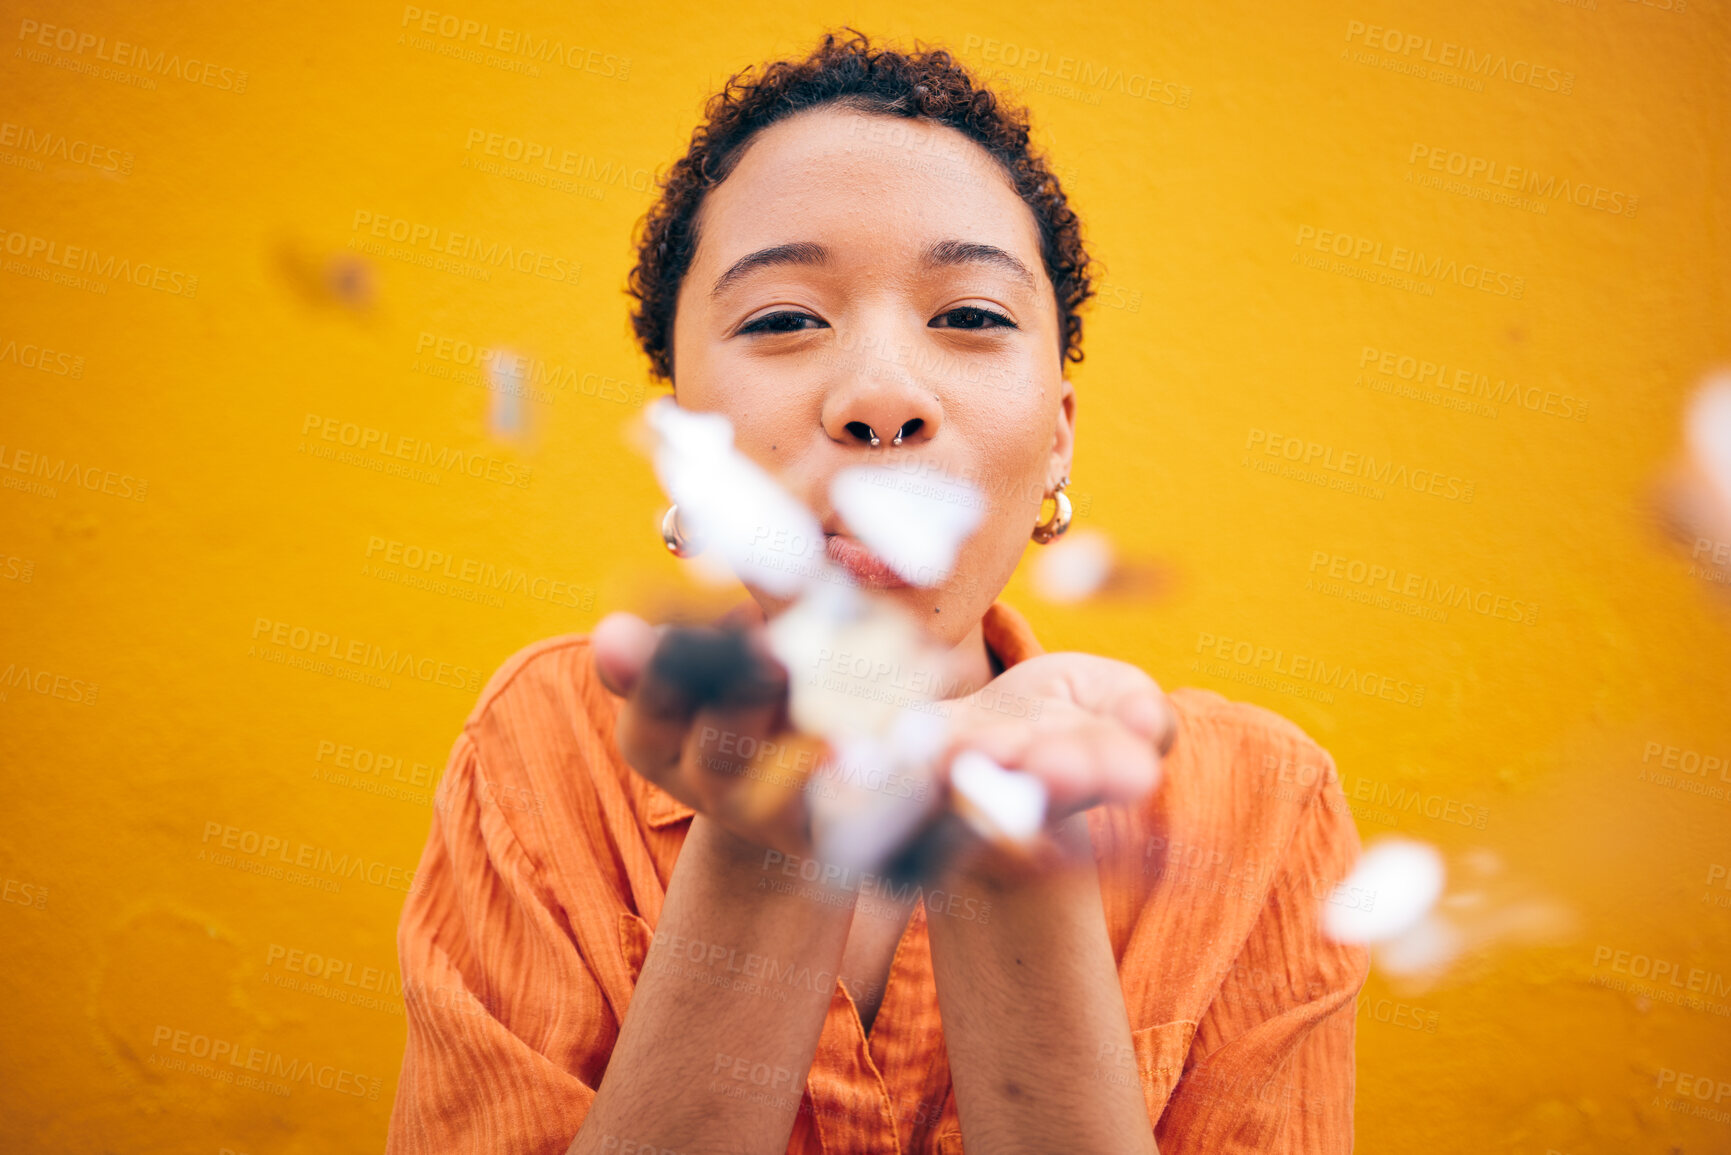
[
  {"x": 737, "y": 871},
  {"x": 1030, "y": 999},
  {"x": 1000, "y": 872}
]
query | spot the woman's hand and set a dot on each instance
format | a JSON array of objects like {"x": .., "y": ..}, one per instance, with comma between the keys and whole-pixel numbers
[
  {"x": 1091, "y": 729},
  {"x": 705, "y": 719}
]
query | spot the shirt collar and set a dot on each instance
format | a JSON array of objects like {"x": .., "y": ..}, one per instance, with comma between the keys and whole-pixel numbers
[{"x": 1007, "y": 634}]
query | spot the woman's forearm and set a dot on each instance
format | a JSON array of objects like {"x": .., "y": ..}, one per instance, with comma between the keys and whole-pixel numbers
[
  {"x": 700, "y": 1065},
  {"x": 1034, "y": 1021}
]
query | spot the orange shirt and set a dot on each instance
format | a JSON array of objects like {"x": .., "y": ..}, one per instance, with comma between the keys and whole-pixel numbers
[{"x": 548, "y": 862}]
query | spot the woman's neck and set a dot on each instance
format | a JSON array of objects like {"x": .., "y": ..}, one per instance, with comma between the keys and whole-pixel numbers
[{"x": 970, "y": 664}]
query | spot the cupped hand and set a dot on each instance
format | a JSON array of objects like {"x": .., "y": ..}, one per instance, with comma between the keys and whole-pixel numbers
[
  {"x": 705, "y": 719},
  {"x": 1093, "y": 730}
]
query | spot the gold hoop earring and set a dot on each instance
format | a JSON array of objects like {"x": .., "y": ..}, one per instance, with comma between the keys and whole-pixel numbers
[
  {"x": 674, "y": 538},
  {"x": 1053, "y": 528}
]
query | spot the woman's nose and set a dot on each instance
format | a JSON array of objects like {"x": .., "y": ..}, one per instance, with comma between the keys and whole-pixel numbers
[{"x": 881, "y": 415}]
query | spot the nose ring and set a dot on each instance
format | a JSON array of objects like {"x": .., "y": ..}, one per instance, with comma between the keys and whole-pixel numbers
[{"x": 875, "y": 441}]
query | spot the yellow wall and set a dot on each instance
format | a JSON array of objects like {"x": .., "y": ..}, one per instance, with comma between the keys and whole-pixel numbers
[{"x": 1207, "y": 146}]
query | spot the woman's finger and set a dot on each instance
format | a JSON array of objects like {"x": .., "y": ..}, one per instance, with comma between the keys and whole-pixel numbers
[
  {"x": 1145, "y": 711},
  {"x": 1121, "y": 691},
  {"x": 1090, "y": 761},
  {"x": 621, "y": 644},
  {"x": 691, "y": 667},
  {"x": 1064, "y": 761},
  {"x": 1126, "y": 767}
]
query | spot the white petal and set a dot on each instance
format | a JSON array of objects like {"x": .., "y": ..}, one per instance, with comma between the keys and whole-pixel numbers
[
  {"x": 833, "y": 641},
  {"x": 1073, "y": 567},
  {"x": 1428, "y": 947},
  {"x": 1394, "y": 885},
  {"x": 857, "y": 820},
  {"x": 999, "y": 803},
  {"x": 915, "y": 522},
  {"x": 1709, "y": 433},
  {"x": 731, "y": 505}
]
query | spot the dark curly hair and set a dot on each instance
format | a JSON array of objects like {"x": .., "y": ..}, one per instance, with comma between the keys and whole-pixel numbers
[{"x": 927, "y": 85}]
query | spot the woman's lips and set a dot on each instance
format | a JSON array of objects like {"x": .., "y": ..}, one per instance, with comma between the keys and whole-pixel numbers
[{"x": 866, "y": 567}]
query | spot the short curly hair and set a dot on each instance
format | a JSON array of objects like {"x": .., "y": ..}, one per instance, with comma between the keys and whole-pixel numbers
[{"x": 926, "y": 85}]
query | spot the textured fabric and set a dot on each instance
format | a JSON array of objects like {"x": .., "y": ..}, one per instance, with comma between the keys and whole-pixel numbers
[{"x": 548, "y": 861}]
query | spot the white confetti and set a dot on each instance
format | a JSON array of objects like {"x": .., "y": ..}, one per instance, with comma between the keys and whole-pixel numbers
[
  {"x": 1074, "y": 567},
  {"x": 1395, "y": 884},
  {"x": 1709, "y": 433},
  {"x": 915, "y": 522},
  {"x": 861, "y": 673},
  {"x": 855, "y": 663},
  {"x": 867, "y": 805},
  {"x": 1424, "y": 949},
  {"x": 731, "y": 505},
  {"x": 505, "y": 415},
  {"x": 1000, "y": 804}
]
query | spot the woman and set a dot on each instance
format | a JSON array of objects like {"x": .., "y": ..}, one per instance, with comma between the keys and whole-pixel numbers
[{"x": 859, "y": 257}]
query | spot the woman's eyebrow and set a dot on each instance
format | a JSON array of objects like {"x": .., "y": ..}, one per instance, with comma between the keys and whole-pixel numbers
[
  {"x": 792, "y": 253},
  {"x": 965, "y": 252},
  {"x": 941, "y": 253}
]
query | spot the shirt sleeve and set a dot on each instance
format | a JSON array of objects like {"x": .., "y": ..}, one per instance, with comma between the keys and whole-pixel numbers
[
  {"x": 1275, "y": 1072},
  {"x": 507, "y": 1028}
]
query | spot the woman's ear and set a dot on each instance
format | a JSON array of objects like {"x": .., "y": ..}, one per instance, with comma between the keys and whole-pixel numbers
[{"x": 1063, "y": 435}]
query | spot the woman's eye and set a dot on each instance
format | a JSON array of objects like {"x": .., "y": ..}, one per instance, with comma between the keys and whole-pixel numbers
[
  {"x": 782, "y": 322},
  {"x": 971, "y": 317}
]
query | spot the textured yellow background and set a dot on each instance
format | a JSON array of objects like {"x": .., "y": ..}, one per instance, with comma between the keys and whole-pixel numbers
[{"x": 1208, "y": 148}]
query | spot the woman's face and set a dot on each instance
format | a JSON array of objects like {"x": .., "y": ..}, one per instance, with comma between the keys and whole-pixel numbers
[{"x": 858, "y": 271}]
